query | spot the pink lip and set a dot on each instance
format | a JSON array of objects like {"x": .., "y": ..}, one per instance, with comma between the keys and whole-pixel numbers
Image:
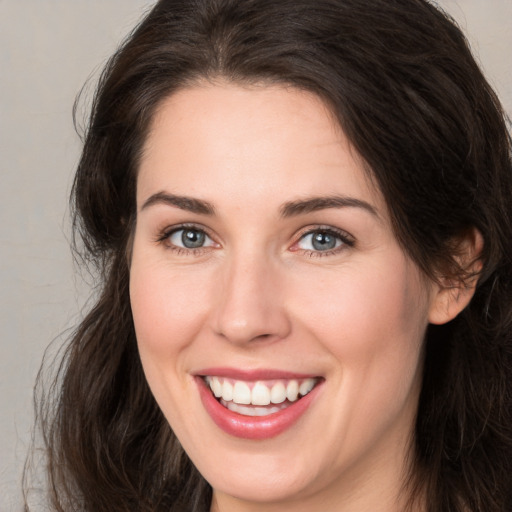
[
  {"x": 253, "y": 427},
  {"x": 252, "y": 375}
]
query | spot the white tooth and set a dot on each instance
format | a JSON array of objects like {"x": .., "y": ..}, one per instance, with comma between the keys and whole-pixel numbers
[
  {"x": 306, "y": 386},
  {"x": 240, "y": 409},
  {"x": 278, "y": 393},
  {"x": 241, "y": 393},
  {"x": 227, "y": 391},
  {"x": 252, "y": 411},
  {"x": 260, "y": 394},
  {"x": 216, "y": 386},
  {"x": 292, "y": 390}
]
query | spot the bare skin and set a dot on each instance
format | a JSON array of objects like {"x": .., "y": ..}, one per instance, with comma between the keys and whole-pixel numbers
[{"x": 293, "y": 266}]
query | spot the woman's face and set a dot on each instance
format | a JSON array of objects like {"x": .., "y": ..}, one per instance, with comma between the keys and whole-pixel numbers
[{"x": 264, "y": 265}]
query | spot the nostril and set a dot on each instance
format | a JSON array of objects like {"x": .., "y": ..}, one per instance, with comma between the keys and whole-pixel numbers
[{"x": 262, "y": 337}]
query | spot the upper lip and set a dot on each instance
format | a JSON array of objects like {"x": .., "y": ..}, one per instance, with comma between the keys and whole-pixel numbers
[{"x": 253, "y": 374}]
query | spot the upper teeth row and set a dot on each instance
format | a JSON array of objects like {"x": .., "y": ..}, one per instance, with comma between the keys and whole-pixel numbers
[{"x": 261, "y": 393}]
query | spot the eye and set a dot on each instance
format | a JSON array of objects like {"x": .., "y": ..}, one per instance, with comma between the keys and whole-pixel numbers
[
  {"x": 189, "y": 238},
  {"x": 323, "y": 240}
]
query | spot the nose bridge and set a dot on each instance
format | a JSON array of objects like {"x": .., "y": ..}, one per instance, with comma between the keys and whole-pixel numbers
[{"x": 250, "y": 304}]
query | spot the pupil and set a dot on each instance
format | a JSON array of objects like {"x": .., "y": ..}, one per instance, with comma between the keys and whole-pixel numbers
[
  {"x": 192, "y": 239},
  {"x": 323, "y": 241}
]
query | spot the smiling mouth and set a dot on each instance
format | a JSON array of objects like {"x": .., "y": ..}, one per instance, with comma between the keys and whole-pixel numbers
[{"x": 259, "y": 398}]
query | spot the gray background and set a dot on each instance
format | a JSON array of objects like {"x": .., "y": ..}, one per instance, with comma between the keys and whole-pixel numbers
[{"x": 48, "y": 49}]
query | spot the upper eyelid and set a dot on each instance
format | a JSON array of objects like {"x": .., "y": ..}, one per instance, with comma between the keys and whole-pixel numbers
[
  {"x": 165, "y": 235},
  {"x": 306, "y": 230},
  {"x": 347, "y": 241},
  {"x": 330, "y": 229},
  {"x": 168, "y": 231}
]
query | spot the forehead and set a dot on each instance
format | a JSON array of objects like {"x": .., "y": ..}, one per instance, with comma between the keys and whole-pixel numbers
[{"x": 248, "y": 141}]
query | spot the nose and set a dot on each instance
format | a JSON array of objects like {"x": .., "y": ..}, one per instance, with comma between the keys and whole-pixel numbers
[{"x": 250, "y": 304}]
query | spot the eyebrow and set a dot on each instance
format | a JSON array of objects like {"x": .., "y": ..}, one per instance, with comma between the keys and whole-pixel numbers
[
  {"x": 289, "y": 209},
  {"x": 312, "y": 204},
  {"x": 190, "y": 204}
]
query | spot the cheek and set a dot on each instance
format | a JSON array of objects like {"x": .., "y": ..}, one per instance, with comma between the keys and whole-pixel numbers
[
  {"x": 372, "y": 321},
  {"x": 372, "y": 324},
  {"x": 168, "y": 311},
  {"x": 368, "y": 304},
  {"x": 168, "y": 306}
]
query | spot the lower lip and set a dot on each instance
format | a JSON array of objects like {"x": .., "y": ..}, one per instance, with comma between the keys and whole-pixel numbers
[{"x": 253, "y": 427}]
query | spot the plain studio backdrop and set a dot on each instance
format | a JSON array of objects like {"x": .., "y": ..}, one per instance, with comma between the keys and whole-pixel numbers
[{"x": 48, "y": 50}]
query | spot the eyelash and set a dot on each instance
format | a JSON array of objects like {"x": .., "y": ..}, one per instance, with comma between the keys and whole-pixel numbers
[
  {"x": 164, "y": 238},
  {"x": 342, "y": 236},
  {"x": 345, "y": 238}
]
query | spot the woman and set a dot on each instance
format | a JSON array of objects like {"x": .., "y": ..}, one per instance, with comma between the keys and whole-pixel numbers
[{"x": 301, "y": 216}]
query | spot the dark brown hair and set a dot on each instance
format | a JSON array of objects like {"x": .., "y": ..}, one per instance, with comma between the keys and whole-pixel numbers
[{"x": 404, "y": 87}]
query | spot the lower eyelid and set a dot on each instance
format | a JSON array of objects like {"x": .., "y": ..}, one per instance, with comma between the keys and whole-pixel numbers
[
  {"x": 323, "y": 254},
  {"x": 164, "y": 239},
  {"x": 344, "y": 240}
]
